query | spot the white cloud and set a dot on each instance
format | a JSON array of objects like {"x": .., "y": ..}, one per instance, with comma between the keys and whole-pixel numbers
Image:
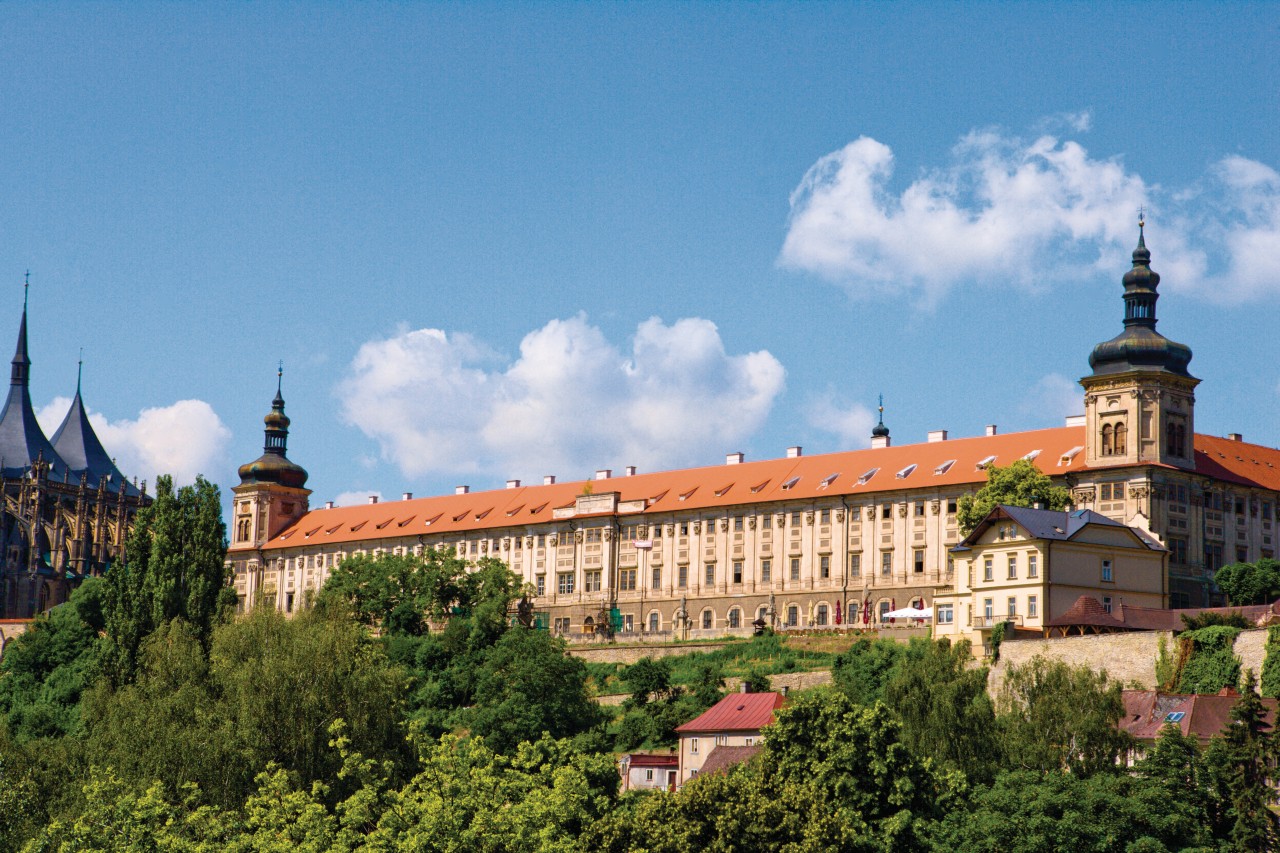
[
  {"x": 851, "y": 423},
  {"x": 356, "y": 497},
  {"x": 1004, "y": 211},
  {"x": 1053, "y": 398},
  {"x": 184, "y": 439},
  {"x": 570, "y": 403}
]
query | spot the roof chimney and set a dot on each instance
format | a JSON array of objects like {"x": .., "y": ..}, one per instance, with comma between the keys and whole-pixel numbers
[
  {"x": 1074, "y": 421},
  {"x": 462, "y": 490},
  {"x": 991, "y": 429},
  {"x": 795, "y": 452},
  {"x": 328, "y": 504},
  {"x": 513, "y": 484},
  {"x": 1235, "y": 436},
  {"x": 373, "y": 499},
  {"x": 746, "y": 688},
  {"x": 549, "y": 480},
  {"x": 733, "y": 458},
  {"x": 407, "y": 496},
  {"x": 937, "y": 435},
  {"x": 631, "y": 470},
  {"x": 604, "y": 473}
]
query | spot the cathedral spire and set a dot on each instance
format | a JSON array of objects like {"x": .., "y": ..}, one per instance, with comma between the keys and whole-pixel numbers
[{"x": 20, "y": 374}]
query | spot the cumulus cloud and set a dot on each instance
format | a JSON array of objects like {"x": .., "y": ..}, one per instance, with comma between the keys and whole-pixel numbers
[
  {"x": 1053, "y": 397},
  {"x": 850, "y": 423},
  {"x": 184, "y": 439},
  {"x": 356, "y": 497},
  {"x": 572, "y": 401},
  {"x": 1005, "y": 211}
]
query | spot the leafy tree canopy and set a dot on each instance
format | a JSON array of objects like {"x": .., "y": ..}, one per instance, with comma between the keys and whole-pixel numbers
[
  {"x": 1020, "y": 483},
  {"x": 1250, "y": 583}
]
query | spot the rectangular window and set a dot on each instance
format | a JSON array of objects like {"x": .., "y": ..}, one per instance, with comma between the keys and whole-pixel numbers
[
  {"x": 1177, "y": 549},
  {"x": 1013, "y": 606},
  {"x": 564, "y": 583},
  {"x": 766, "y": 571},
  {"x": 795, "y": 519},
  {"x": 917, "y": 562},
  {"x": 1033, "y": 608},
  {"x": 628, "y": 623},
  {"x": 886, "y": 511},
  {"x": 1013, "y": 567},
  {"x": 684, "y": 577},
  {"x": 855, "y": 565},
  {"x": 988, "y": 569},
  {"x": 1212, "y": 556},
  {"x": 1242, "y": 555},
  {"x": 945, "y": 614},
  {"x": 951, "y": 506},
  {"x": 988, "y": 610},
  {"x": 627, "y": 579},
  {"x": 737, "y": 571},
  {"x": 795, "y": 569},
  {"x": 825, "y": 517},
  {"x": 710, "y": 572},
  {"x": 1106, "y": 572},
  {"x": 824, "y": 567},
  {"x": 592, "y": 581},
  {"x": 593, "y": 534},
  {"x": 919, "y": 509},
  {"x": 886, "y": 563},
  {"x": 1266, "y": 511},
  {"x": 737, "y": 523},
  {"x": 1033, "y": 565},
  {"x": 542, "y": 585},
  {"x": 684, "y": 528},
  {"x": 648, "y": 775},
  {"x": 1106, "y": 603},
  {"x": 693, "y": 745}
]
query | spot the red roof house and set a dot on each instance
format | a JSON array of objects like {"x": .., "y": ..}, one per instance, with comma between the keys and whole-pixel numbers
[{"x": 734, "y": 721}]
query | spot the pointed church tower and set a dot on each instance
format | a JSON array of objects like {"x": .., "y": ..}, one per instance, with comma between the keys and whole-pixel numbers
[
  {"x": 272, "y": 493},
  {"x": 78, "y": 445},
  {"x": 23, "y": 445},
  {"x": 1139, "y": 400}
]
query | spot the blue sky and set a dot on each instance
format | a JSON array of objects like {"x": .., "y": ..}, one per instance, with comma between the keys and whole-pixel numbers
[{"x": 497, "y": 241}]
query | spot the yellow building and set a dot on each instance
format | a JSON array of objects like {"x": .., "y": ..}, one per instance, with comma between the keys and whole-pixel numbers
[
  {"x": 799, "y": 541},
  {"x": 1023, "y": 567}
]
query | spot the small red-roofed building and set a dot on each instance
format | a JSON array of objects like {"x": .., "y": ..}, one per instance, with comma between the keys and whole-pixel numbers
[
  {"x": 649, "y": 770},
  {"x": 1198, "y": 715},
  {"x": 734, "y": 721}
]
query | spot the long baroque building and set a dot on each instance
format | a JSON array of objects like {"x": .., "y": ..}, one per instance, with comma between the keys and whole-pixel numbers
[
  {"x": 67, "y": 508},
  {"x": 799, "y": 541}
]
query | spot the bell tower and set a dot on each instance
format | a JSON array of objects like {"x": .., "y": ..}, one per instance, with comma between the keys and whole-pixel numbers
[
  {"x": 272, "y": 493},
  {"x": 1139, "y": 400}
]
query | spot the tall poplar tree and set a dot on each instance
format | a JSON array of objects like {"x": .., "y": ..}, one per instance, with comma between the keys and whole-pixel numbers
[{"x": 173, "y": 568}]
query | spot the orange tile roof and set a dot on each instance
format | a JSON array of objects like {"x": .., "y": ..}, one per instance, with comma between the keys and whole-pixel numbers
[{"x": 853, "y": 474}]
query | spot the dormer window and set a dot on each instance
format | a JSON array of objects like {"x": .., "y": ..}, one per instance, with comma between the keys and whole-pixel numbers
[
  {"x": 1066, "y": 458},
  {"x": 828, "y": 480},
  {"x": 1032, "y": 455},
  {"x": 790, "y": 484},
  {"x": 944, "y": 467},
  {"x": 905, "y": 472},
  {"x": 862, "y": 481},
  {"x": 985, "y": 463}
]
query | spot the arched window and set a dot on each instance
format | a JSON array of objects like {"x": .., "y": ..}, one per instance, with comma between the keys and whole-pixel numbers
[
  {"x": 1121, "y": 434},
  {"x": 1108, "y": 447},
  {"x": 735, "y": 618},
  {"x": 707, "y": 618},
  {"x": 821, "y": 616}
]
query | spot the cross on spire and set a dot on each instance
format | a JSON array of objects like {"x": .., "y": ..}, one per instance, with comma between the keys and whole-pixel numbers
[{"x": 26, "y": 287}]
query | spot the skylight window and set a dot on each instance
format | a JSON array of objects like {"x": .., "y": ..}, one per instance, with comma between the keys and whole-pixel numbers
[
  {"x": 1032, "y": 455},
  {"x": 862, "y": 481},
  {"x": 1174, "y": 716},
  {"x": 905, "y": 472},
  {"x": 944, "y": 467},
  {"x": 985, "y": 462},
  {"x": 828, "y": 480},
  {"x": 1066, "y": 458},
  {"x": 790, "y": 484}
]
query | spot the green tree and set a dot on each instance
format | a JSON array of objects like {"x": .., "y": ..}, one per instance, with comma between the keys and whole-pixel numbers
[
  {"x": 1020, "y": 483},
  {"x": 1250, "y": 583},
  {"x": 46, "y": 670},
  {"x": 1208, "y": 659},
  {"x": 1242, "y": 760},
  {"x": 649, "y": 678},
  {"x": 529, "y": 684},
  {"x": 1052, "y": 717},
  {"x": 173, "y": 568},
  {"x": 946, "y": 712},
  {"x": 866, "y": 668}
]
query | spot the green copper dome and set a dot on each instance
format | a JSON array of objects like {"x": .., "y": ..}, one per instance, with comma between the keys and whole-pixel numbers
[{"x": 1140, "y": 346}]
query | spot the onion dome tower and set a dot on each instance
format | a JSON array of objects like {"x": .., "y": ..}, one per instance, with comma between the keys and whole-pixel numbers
[
  {"x": 880, "y": 432},
  {"x": 272, "y": 493},
  {"x": 1139, "y": 398},
  {"x": 23, "y": 445},
  {"x": 78, "y": 445}
]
